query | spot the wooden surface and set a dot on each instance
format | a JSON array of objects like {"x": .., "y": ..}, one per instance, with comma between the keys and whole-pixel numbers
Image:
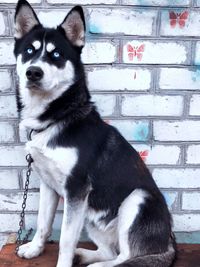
[{"x": 188, "y": 256}]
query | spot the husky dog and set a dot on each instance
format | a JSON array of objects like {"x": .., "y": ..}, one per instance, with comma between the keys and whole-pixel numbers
[{"x": 78, "y": 156}]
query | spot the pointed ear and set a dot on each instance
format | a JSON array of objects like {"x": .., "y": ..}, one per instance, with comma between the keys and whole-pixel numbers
[
  {"x": 25, "y": 19},
  {"x": 74, "y": 26}
]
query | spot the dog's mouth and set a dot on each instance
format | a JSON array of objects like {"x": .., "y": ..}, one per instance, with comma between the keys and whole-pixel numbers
[{"x": 36, "y": 86}]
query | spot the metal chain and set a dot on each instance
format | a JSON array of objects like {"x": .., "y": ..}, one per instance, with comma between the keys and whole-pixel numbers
[{"x": 19, "y": 241}]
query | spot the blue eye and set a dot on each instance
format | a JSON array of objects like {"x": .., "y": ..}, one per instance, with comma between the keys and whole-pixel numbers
[
  {"x": 56, "y": 54},
  {"x": 29, "y": 50}
]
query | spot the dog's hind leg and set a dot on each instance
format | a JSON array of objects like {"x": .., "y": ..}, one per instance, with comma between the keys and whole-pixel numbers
[
  {"x": 47, "y": 207},
  {"x": 106, "y": 246},
  {"x": 128, "y": 212}
]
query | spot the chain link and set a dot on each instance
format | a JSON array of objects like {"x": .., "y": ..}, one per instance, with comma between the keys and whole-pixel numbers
[{"x": 19, "y": 241}]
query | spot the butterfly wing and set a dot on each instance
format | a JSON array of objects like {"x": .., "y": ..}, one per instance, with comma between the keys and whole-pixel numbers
[
  {"x": 141, "y": 48},
  {"x": 130, "y": 48},
  {"x": 173, "y": 19},
  {"x": 182, "y": 19}
]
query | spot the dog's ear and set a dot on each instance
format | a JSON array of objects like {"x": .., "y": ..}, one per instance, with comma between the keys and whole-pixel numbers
[
  {"x": 74, "y": 26},
  {"x": 25, "y": 19}
]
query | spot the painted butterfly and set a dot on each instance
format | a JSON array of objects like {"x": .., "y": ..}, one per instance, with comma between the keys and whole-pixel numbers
[
  {"x": 178, "y": 18},
  {"x": 144, "y": 154},
  {"x": 135, "y": 51}
]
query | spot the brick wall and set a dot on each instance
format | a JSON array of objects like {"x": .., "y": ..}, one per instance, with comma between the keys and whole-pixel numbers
[{"x": 142, "y": 59}]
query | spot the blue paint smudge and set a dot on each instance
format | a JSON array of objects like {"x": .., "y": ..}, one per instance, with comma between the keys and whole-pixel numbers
[
  {"x": 141, "y": 132},
  {"x": 169, "y": 2},
  {"x": 196, "y": 74},
  {"x": 94, "y": 28},
  {"x": 170, "y": 199}
]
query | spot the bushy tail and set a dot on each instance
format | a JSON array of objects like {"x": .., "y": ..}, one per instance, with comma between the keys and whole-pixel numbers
[{"x": 165, "y": 259}]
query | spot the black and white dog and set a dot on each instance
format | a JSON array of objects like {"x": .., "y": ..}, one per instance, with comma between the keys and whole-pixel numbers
[{"x": 78, "y": 156}]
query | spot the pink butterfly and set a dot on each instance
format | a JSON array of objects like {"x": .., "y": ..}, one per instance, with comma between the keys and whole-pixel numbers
[
  {"x": 178, "y": 18},
  {"x": 144, "y": 154},
  {"x": 135, "y": 51}
]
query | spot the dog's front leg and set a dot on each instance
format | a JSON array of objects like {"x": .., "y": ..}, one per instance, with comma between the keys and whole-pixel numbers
[
  {"x": 47, "y": 207},
  {"x": 73, "y": 219}
]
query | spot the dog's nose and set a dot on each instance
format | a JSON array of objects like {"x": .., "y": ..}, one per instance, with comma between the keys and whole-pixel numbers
[{"x": 34, "y": 74}]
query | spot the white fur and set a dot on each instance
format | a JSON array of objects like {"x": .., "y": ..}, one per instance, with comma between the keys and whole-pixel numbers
[
  {"x": 73, "y": 219},
  {"x": 59, "y": 162},
  {"x": 53, "y": 86},
  {"x": 47, "y": 207},
  {"x": 36, "y": 44},
  {"x": 50, "y": 47}
]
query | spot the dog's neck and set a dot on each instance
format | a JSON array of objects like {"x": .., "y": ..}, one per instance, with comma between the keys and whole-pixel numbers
[{"x": 40, "y": 110}]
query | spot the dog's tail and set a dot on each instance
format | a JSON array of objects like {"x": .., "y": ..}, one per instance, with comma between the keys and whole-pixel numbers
[{"x": 165, "y": 259}]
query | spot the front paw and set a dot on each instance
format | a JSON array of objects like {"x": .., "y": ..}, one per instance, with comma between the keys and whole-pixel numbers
[{"x": 29, "y": 250}]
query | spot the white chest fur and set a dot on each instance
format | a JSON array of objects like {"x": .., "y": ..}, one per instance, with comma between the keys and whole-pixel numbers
[{"x": 52, "y": 165}]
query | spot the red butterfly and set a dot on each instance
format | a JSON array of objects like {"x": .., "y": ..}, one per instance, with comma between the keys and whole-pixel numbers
[
  {"x": 178, "y": 18},
  {"x": 144, "y": 154},
  {"x": 135, "y": 51}
]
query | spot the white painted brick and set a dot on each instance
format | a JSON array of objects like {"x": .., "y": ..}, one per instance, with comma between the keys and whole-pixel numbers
[
  {"x": 194, "y": 105},
  {"x": 190, "y": 201},
  {"x": 6, "y": 132},
  {"x": 105, "y": 104},
  {"x": 13, "y": 201},
  {"x": 52, "y": 18},
  {"x": 156, "y": 2},
  {"x": 198, "y": 3},
  {"x": 99, "y": 52},
  {"x": 5, "y": 80},
  {"x": 132, "y": 130},
  {"x": 124, "y": 21},
  {"x": 112, "y": 79},
  {"x": 12, "y": 156},
  {"x": 191, "y": 28},
  {"x": 171, "y": 199},
  {"x": 184, "y": 79},
  {"x": 8, "y": 107},
  {"x": 9, "y": 179},
  {"x": 6, "y": 53},
  {"x": 193, "y": 155},
  {"x": 34, "y": 182},
  {"x": 15, "y": 1},
  {"x": 186, "y": 222},
  {"x": 82, "y": 2},
  {"x": 177, "y": 178},
  {"x": 155, "y": 52},
  {"x": 151, "y": 105},
  {"x": 197, "y": 56},
  {"x": 2, "y": 23},
  {"x": 31, "y": 221},
  {"x": 159, "y": 154},
  {"x": 176, "y": 130},
  {"x": 9, "y": 222}
]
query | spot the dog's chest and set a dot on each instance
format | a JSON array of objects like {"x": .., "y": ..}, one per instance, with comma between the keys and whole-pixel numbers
[{"x": 53, "y": 165}]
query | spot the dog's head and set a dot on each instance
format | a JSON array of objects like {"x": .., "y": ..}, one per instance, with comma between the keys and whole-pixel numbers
[{"x": 48, "y": 59}]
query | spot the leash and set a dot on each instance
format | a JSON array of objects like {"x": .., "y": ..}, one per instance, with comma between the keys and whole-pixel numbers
[{"x": 19, "y": 240}]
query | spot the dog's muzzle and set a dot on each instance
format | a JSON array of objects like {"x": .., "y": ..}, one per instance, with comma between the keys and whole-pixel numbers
[{"x": 34, "y": 74}]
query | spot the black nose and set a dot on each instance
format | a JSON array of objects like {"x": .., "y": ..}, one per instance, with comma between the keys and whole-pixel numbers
[{"x": 34, "y": 74}]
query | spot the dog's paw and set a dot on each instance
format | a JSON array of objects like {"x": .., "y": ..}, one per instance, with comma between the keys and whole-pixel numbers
[{"x": 29, "y": 250}]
